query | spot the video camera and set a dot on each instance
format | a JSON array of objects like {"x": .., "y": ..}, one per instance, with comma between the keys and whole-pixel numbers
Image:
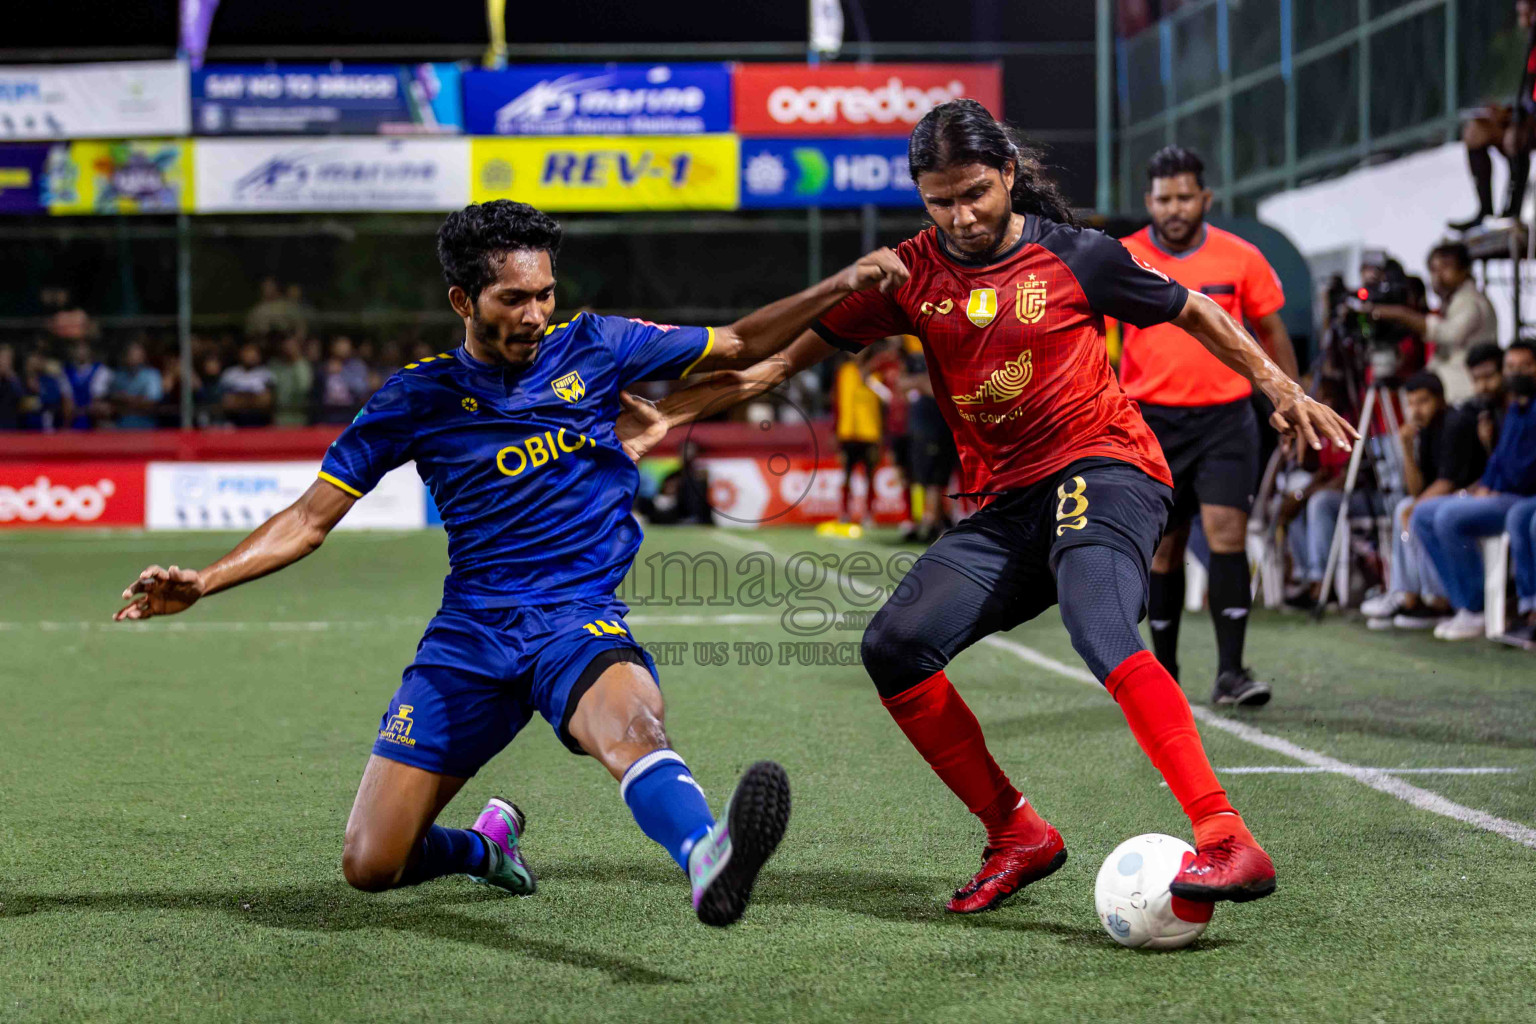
[{"x": 1354, "y": 340}]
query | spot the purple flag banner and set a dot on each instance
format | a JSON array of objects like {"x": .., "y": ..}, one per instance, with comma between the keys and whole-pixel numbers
[{"x": 196, "y": 21}]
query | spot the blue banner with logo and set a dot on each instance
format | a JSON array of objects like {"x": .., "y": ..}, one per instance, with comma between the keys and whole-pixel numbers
[
  {"x": 23, "y": 171},
  {"x": 326, "y": 99},
  {"x": 825, "y": 172},
  {"x": 599, "y": 99}
]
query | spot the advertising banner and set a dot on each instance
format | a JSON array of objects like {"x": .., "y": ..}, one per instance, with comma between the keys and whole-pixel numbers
[
  {"x": 325, "y": 99},
  {"x": 82, "y": 101},
  {"x": 613, "y": 174},
  {"x": 854, "y": 99},
  {"x": 829, "y": 172},
  {"x": 58, "y": 494},
  {"x": 22, "y": 168},
  {"x": 799, "y": 491},
  {"x": 125, "y": 176},
  {"x": 599, "y": 99},
  {"x": 298, "y": 175},
  {"x": 242, "y": 495}
]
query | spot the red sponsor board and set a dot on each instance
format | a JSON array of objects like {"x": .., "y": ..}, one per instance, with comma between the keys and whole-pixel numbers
[
  {"x": 850, "y": 100},
  {"x": 71, "y": 494}
]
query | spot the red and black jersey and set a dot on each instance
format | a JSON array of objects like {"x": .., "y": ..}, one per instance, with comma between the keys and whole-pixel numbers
[{"x": 1016, "y": 349}]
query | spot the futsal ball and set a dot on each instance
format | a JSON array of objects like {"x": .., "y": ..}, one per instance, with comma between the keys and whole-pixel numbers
[{"x": 1133, "y": 900}]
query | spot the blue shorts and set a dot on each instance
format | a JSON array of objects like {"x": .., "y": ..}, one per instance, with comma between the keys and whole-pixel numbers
[{"x": 480, "y": 674}]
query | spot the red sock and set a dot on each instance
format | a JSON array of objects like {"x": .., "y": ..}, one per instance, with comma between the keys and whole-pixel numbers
[
  {"x": 946, "y": 733},
  {"x": 1161, "y": 721}
]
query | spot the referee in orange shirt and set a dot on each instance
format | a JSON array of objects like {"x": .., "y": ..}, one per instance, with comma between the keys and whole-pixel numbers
[{"x": 1202, "y": 412}]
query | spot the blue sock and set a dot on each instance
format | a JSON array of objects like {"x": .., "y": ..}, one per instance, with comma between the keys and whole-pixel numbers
[
  {"x": 667, "y": 804},
  {"x": 447, "y": 851}
]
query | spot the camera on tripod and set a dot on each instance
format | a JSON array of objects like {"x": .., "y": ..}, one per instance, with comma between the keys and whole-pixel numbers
[{"x": 1354, "y": 341}]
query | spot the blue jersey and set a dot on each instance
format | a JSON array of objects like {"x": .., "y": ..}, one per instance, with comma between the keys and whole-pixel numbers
[{"x": 524, "y": 464}]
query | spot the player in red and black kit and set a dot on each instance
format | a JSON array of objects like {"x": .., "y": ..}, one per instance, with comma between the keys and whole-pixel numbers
[{"x": 1009, "y": 297}]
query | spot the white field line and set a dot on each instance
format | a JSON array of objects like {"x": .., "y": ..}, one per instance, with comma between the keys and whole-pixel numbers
[
  {"x": 1376, "y": 778},
  {"x": 1307, "y": 769}
]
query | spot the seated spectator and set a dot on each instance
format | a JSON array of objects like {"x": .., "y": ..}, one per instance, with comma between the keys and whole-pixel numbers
[
  {"x": 1451, "y": 527},
  {"x": 1520, "y": 524},
  {"x": 168, "y": 415},
  {"x": 245, "y": 389},
  {"x": 275, "y": 312},
  {"x": 293, "y": 380},
  {"x": 1441, "y": 454},
  {"x": 89, "y": 382},
  {"x": 1466, "y": 317},
  {"x": 1485, "y": 368},
  {"x": 341, "y": 384},
  {"x": 1310, "y": 514},
  {"x": 207, "y": 406},
  {"x": 136, "y": 390},
  {"x": 45, "y": 401},
  {"x": 12, "y": 393}
]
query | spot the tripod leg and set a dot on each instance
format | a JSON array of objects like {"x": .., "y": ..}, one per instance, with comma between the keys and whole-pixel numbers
[{"x": 1341, "y": 525}]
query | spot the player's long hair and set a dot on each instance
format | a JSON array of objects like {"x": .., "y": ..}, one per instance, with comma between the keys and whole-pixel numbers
[{"x": 965, "y": 132}]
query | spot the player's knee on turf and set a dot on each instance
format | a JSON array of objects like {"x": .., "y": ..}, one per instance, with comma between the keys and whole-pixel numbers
[{"x": 898, "y": 651}]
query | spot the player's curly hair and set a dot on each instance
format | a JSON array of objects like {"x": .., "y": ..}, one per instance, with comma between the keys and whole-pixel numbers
[
  {"x": 474, "y": 242},
  {"x": 965, "y": 132}
]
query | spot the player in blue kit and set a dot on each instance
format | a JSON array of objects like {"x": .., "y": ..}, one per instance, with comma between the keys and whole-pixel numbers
[{"x": 513, "y": 432}]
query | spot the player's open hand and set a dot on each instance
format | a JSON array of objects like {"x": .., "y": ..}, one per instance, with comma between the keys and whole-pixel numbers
[
  {"x": 1309, "y": 421},
  {"x": 641, "y": 425},
  {"x": 881, "y": 269},
  {"x": 160, "y": 591}
]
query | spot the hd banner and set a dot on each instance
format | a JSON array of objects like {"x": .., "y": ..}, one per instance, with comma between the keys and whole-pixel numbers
[
  {"x": 610, "y": 174},
  {"x": 825, "y": 172},
  {"x": 599, "y": 99},
  {"x": 121, "y": 176},
  {"x": 83, "y": 101},
  {"x": 302, "y": 175},
  {"x": 852, "y": 100},
  {"x": 326, "y": 99}
]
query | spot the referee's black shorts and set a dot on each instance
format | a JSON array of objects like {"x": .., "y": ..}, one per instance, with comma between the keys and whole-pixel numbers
[{"x": 1212, "y": 451}]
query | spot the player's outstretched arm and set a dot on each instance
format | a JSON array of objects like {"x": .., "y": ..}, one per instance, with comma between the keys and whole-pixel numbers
[
  {"x": 1295, "y": 413},
  {"x": 642, "y": 425},
  {"x": 765, "y": 331},
  {"x": 280, "y": 541}
]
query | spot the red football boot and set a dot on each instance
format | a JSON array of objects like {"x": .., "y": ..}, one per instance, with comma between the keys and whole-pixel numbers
[
  {"x": 1229, "y": 869},
  {"x": 1007, "y": 869}
]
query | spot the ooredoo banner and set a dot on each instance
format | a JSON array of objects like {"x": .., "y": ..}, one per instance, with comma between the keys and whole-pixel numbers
[
  {"x": 82, "y": 101},
  {"x": 59, "y": 494},
  {"x": 854, "y": 99},
  {"x": 243, "y": 495},
  {"x": 300, "y": 175}
]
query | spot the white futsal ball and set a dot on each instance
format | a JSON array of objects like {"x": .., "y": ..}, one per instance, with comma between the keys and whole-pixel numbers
[{"x": 1133, "y": 900}]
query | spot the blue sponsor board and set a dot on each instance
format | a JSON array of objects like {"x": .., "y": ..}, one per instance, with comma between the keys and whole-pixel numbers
[
  {"x": 599, "y": 99},
  {"x": 825, "y": 172},
  {"x": 325, "y": 99},
  {"x": 23, "y": 172}
]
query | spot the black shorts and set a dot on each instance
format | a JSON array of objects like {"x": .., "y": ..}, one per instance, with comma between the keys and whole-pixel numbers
[
  {"x": 1012, "y": 546},
  {"x": 860, "y": 453},
  {"x": 1212, "y": 452}
]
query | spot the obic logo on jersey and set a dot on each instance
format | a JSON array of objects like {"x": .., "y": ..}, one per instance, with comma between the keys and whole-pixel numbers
[
  {"x": 1029, "y": 303},
  {"x": 570, "y": 387},
  {"x": 981, "y": 309},
  {"x": 538, "y": 449}
]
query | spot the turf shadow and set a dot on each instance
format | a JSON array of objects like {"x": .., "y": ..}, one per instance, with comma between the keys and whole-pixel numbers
[{"x": 335, "y": 907}]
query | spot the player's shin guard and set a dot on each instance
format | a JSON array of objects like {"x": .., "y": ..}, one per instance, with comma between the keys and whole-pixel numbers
[
  {"x": 1230, "y": 596},
  {"x": 446, "y": 851},
  {"x": 941, "y": 726},
  {"x": 1160, "y": 719},
  {"x": 1165, "y": 606},
  {"x": 667, "y": 804}
]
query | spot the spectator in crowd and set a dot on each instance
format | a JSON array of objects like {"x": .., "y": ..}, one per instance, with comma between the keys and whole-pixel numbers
[
  {"x": 89, "y": 383},
  {"x": 683, "y": 496},
  {"x": 45, "y": 402},
  {"x": 275, "y": 312},
  {"x": 168, "y": 415},
  {"x": 856, "y": 422},
  {"x": 245, "y": 389},
  {"x": 1310, "y": 514},
  {"x": 12, "y": 393},
  {"x": 207, "y": 404},
  {"x": 1485, "y": 368},
  {"x": 341, "y": 384},
  {"x": 1520, "y": 524},
  {"x": 136, "y": 390},
  {"x": 1451, "y": 527},
  {"x": 1466, "y": 317},
  {"x": 1441, "y": 455},
  {"x": 293, "y": 381}
]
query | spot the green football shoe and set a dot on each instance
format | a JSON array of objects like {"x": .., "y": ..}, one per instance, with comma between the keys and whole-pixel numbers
[{"x": 501, "y": 824}]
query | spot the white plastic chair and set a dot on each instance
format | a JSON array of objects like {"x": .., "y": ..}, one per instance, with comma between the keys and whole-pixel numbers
[{"x": 1495, "y": 584}]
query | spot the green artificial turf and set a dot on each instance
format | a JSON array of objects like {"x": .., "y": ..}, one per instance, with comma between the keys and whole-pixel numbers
[{"x": 172, "y": 797}]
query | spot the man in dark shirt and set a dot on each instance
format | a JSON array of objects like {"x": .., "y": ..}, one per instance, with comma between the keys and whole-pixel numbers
[{"x": 1441, "y": 455}]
